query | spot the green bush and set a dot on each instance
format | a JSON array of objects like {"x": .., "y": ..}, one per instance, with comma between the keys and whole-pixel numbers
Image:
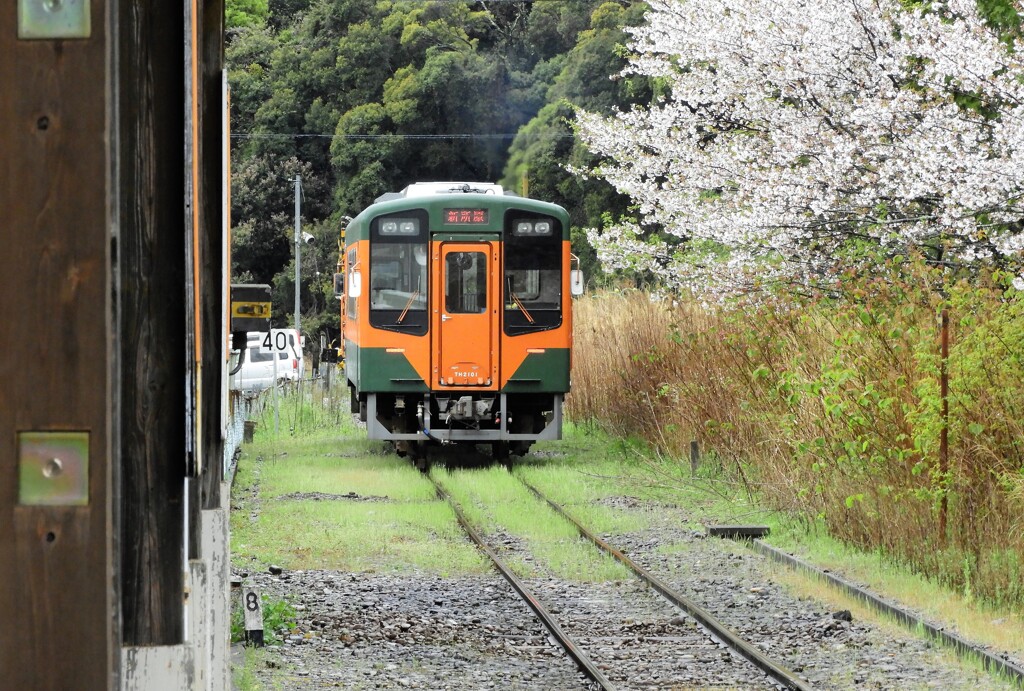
[{"x": 279, "y": 617}]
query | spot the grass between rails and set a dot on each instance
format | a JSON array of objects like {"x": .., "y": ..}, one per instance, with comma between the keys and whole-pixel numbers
[
  {"x": 291, "y": 508},
  {"x": 493, "y": 501},
  {"x": 366, "y": 476},
  {"x": 358, "y": 537}
]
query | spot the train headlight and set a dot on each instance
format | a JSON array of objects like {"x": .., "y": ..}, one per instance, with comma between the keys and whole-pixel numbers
[
  {"x": 399, "y": 226},
  {"x": 531, "y": 228}
]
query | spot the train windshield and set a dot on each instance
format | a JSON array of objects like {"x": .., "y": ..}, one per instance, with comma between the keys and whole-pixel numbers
[
  {"x": 398, "y": 273},
  {"x": 532, "y": 281}
]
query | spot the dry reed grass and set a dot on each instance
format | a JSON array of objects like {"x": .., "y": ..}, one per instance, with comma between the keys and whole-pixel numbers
[{"x": 833, "y": 412}]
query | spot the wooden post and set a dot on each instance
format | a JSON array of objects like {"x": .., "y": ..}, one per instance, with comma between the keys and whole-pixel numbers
[
  {"x": 96, "y": 304},
  {"x": 694, "y": 457},
  {"x": 57, "y": 628},
  {"x": 944, "y": 430},
  {"x": 151, "y": 320},
  {"x": 212, "y": 262}
]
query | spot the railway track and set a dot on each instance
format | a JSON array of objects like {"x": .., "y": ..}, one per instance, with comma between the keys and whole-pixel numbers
[
  {"x": 777, "y": 672},
  {"x": 463, "y": 630},
  {"x": 696, "y": 646},
  {"x": 574, "y": 651}
]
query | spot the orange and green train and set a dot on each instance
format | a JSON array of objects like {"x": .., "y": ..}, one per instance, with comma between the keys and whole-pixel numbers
[{"x": 456, "y": 317}]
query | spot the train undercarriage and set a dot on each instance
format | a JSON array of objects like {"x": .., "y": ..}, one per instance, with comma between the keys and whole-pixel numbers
[{"x": 510, "y": 423}]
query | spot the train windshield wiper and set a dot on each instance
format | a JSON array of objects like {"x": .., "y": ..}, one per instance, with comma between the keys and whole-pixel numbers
[
  {"x": 520, "y": 305},
  {"x": 405, "y": 311}
]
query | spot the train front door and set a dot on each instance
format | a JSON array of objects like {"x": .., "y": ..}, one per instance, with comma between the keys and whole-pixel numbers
[{"x": 466, "y": 315}]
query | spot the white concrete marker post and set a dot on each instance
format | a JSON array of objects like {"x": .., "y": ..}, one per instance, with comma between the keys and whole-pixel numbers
[{"x": 252, "y": 609}]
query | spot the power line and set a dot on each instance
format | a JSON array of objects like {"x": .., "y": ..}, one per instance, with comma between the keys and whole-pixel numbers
[
  {"x": 518, "y": 2},
  {"x": 504, "y": 135}
]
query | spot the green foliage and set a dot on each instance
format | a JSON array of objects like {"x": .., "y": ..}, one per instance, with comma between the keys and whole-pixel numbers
[
  {"x": 249, "y": 57},
  {"x": 1001, "y": 14},
  {"x": 263, "y": 203},
  {"x": 544, "y": 148},
  {"x": 552, "y": 29},
  {"x": 284, "y": 12},
  {"x": 244, "y": 676},
  {"x": 279, "y": 617},
  {"x": 245, "y": 13}
]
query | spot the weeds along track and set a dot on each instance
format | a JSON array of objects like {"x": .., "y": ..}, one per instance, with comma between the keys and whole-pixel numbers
[{"x": 628, "y": 636}]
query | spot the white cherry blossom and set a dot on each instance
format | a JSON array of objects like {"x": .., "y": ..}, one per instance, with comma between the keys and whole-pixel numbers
[{"x": 791, "y": 127}]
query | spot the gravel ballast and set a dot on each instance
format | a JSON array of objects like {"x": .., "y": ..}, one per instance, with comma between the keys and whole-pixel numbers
[
  {"x": 427, "y": 632},
  {"x": 409, "y": 630}
]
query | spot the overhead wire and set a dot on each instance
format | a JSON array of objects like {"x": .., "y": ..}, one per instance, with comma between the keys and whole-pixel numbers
[{"x": 297, "y": 135}]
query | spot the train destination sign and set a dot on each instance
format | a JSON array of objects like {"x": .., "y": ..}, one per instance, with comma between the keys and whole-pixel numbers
[{"x": 465, "y": 216}]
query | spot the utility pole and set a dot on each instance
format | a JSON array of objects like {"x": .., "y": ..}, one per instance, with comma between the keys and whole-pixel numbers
[{"x": 298, "y": 245}]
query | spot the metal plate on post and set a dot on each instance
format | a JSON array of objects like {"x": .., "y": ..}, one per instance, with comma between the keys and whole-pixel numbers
[
  {"x": 250, "y": 307},
  {"x": 49, "y": 19},
  {"x": 53, "y": 468}
]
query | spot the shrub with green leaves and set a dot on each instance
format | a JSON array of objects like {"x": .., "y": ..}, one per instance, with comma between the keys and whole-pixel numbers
[{"x": 279, "y": 617}]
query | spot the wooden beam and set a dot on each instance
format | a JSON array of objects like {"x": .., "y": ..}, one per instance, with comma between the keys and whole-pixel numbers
[
  {"x": 211, "y": 251},
  {"x": 151, "y": 322},
  {"x": 57, "y": 629}
]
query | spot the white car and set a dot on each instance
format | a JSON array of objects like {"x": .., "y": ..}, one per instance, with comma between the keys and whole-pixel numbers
[
  {"x": 257, "y": 370},
  {"x": 290, "y": 341}
]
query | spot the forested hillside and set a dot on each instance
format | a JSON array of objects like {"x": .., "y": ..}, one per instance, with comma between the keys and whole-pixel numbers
[{"x": 361, "y": 97}]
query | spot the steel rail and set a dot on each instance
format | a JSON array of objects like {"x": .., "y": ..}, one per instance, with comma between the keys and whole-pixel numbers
[
  {"x": 961, "y": 646},
  {"x": 778, "y": 673},
  {"x": 585, "y": 664}
]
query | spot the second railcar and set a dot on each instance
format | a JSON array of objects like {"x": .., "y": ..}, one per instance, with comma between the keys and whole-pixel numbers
[{"x": 456, "y": 316}]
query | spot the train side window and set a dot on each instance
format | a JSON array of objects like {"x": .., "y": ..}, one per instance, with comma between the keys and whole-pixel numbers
[
  {"x": 465, "y": 290},
  {"x": 525, "y": 282},
  {"x": 350, "y": 304}
]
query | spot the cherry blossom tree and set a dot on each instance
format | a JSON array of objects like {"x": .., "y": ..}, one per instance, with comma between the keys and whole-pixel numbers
[{"x": 792, "y": 133}]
